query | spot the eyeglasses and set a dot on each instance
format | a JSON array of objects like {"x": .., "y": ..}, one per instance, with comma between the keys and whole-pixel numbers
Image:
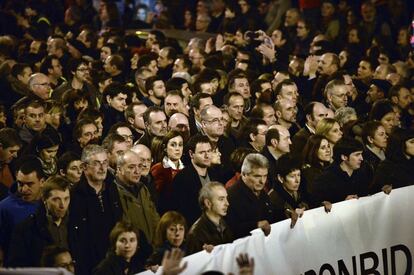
[
  {"x": 97, "y": 163},
  {"x": 42, "y": 84},
  {"x": 216, "y": 120}
]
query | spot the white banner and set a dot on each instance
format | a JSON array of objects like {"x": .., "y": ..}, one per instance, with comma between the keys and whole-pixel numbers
[{"x": 371, "y": 235}]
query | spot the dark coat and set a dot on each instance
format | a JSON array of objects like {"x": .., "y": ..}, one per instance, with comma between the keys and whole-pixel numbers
[
  {"x": 205, "y": 231},
  {"x": 156, "y": 257},
  {"x": 271, "y": 176},
  {"x": 185, "y": 188},
  {"x": 299, "y": 141},
  {"x": 111, "y": 116},
  {"x": 395, "y": 173},
  {"x": 116, "y": 265},
  {"x": 246, "y": 209},
  {"x": 334, "y": 185},
  {"x": 90, "y": 224},
  {"x": 283, "y": 201},
  {"x": 29, "y": 239}
]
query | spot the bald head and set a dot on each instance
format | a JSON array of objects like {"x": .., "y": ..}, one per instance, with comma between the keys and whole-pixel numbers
[
  {"x": 144, "y": 154},
  {"x": 178, "y": 121},
  {"x": 39, "y": 84}
]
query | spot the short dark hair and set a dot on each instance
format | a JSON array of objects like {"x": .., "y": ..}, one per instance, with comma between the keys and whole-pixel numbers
[
  {"x": 175, "y": 83},
  {"x": 151, "y": 109},
  {"x": 251, "y": 127},
  {"x": 119, "y": 228},
  {"x": 149, "y": 82},
  {"x": 47, "y": 64},
  {"x": 65, "y": 159},
  {"x": 346, "y": 146},
  {"x": 195, "y": 100},
  {"x": 18, "y": 69},
  {"x": 197, "y": 139},
  {"x": 55, "y": 182},
  {"x": 50, "y": 253},
  {"x": 77, "y": 130},
  {"x": 272, "y": 133},
  {"x": 287, "y": 164},
  {"x": 9, "y": 138},
  {"x": 117, "y": 61},
  {"x": 369, "y": 129},
  {"x": 115, "y": 88},
  {"x": 109, "y": 141},
  {"x": 29, "y": 164}
]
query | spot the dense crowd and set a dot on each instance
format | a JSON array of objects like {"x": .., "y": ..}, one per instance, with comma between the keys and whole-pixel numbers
[{"x": 119, "y": 148}]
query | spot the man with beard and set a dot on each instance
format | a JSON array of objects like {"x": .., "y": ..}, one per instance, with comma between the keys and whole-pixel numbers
[
  {"x": 155, "y": 88},
  {"x": 85, "y": 132},
  {"x": 210, "y": 229},
  {"x": 155, "y": 125},
  {"x": 188, "y": 182},
  {"x": 94, "y": 210},
  {"x": 286, "y": 112},
  {"x": 48, "y": 226}
]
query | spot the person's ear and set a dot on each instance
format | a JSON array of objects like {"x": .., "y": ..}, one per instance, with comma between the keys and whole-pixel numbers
[
  {"x": 190, "y": 153},
  {"x": 62, "y": 172},
  {"x": 344, "y": 158},
  {"x": 279, "y": 178},
  {"x": 252, "y": 137},
  {"x": 207, "y": 203},
  {"x": 370, "y": 139},
  {"x": 131, "y": 120},
  {"x": 108, "y": 99}
]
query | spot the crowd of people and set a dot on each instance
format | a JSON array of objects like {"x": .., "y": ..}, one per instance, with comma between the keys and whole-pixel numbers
[{"x": 119, "y": 149}]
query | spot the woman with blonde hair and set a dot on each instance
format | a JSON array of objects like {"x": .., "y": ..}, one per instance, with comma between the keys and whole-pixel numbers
[{"x": 330, "y": 129}]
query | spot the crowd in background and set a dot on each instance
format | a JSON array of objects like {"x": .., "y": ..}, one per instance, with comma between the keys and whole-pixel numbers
[{"x": 120, "y": 148}]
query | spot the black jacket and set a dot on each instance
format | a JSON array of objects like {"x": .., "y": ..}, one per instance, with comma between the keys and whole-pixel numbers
[
  {"x": 205, "y": 231},
  {"x": 185, "y": 188},
  {"x": 395, "y": 173},
  {"x": 246, "y": 209},
  {"x": 90, "y": 223},
  {"x": 116, "y": 265},
  {"x": 334, "y": 185}
]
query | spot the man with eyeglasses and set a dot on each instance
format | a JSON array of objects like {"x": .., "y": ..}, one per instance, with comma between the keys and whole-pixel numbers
[
  {"x": 23, "y": 200},
  {"x": 212, "y": 125},
  {"x": 39, "y": 85},
  {"x": 48, "y": 226},
  {"x": 135, "y": 196},
  {"x": 336, "y": 94},
  {"x": 80, "y": 80},
  {"x": 94, "y": 210}
]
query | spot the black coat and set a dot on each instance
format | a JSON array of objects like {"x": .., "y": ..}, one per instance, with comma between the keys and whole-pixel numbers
[
  {"x": 89, "y": 226},
  {"x": 185, "y": 188},
  {"x": 395, "y": 173},
  {"x": 299, "y": 141},
  {"x": 205, "y": 231},
  {"x": 283, "y": 201},
  {"x": 334, "y": 185},
  {"x": 116, "y": 265},
  {"x": 29, "y": 239},
  {"x": 246, "y": 209}
]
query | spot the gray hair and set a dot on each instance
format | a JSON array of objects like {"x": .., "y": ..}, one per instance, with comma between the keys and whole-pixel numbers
[
  {"x": 121, "y": 158},
  {"x": 90, "y": 150},
  {"x": 32, "y": 79},
  {"x": 252, "y": 161},
  {"x": 206, "y": 192},
  {"x": 343, "y": 114}
]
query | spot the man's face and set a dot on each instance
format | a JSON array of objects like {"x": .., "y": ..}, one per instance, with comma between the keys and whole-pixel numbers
[
  {"x": 368, "y": 12},
  {"x": 196, "y": 57},
  {"x": 126, "y": 133},
  {"x": 108, "y": 67},
  {"x": 283, "y": 145},
  {"x": 153, "y": 67},
  {"x": 118, "y": 149},
  {"x": 364, "y": 70},
  {"x": 57, "y": 203},
  {"x": 130, "y": 171},
  {"x": 260, "y": 138},
  {"x": 25, "y": 75},
  {"x": 256, "y": 179},
  {"x": 34, "y": 118},
  {"x": 319, "y": 113},
  {"x": 301, "y": 29},
  {"x": 82, "y": 73},
  {"x": 157, "y": 124},
  {"x": 202, "y": 155},
  {"x": 118, "y": 102},
  {"x": 64, "y": 260},
  {"x": 288, "y": 112},
  {"x": 179, "y": 122},
  {"x": 56, "y": 69},
  {"x": 374, "y": 94},
  {"x": 289, "y": 92},
  {"x": 9, "y": 153},
  {"x": 163, "y": 60},
  {"x": 179, "y": 66},
  {"x": 404, "y": 98},
  {"x": 89, "y": 132},
  {"x": 138, "y": 121},
  {"x": 146, "y": 161},
  {"x": 105, "y": 52},
  {"x": 172, "y": 104},
  {"x": 338, "y": 97},
  {"x": 277, "y": 38},
  {"x": 219, "y": 203},
  {"x": 158, "y": 89},
  {"x": 19, "y": 118},
  {"x": 41, "y": 87},
  {"x": 325, "y": 64},
  {"x": 291, "y": 18},
  {"x": 354, "y": 160},
  {"x": 213, "y": 126},
  {"x": 381, "y": 72},
  {"x": 150, "y": 40},
  {"x": 269, "y": 115},
  {"x": 97, "y": 167},
  {"x": 236, "y": 107},
  {"x": 29, "y": 186}
]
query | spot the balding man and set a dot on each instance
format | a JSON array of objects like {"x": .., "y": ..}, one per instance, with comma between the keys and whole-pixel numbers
[
  {"x": 179, "y": 122},
  {"x": 39, "y": 85},
  {"x": 135, "y": 197},
  {"x": 145, "y": 158},
  {"x": 286, "y": 112},
  {"x": 212, "y": 125}
]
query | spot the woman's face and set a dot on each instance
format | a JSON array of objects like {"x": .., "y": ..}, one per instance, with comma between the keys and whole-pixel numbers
[
  {"x": 215, "y": 156},
  {"x": 380, "y": 138},
  {"x": 388, "y": 121},
  {"x": 175, "y": 148},
  {"x": 334, "y": 134},
  {"x": 74, "y": 171},
  {"x": 49, "y": 154},
  {"x": 126, "y": 245},
  {"x": 325, "y": 151},
  {"x": 343, "y": 57},
  {"x": 175, "y": 234},
  {"x": 292, "y": 181},
  {"x": 409, "y": 147}
]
